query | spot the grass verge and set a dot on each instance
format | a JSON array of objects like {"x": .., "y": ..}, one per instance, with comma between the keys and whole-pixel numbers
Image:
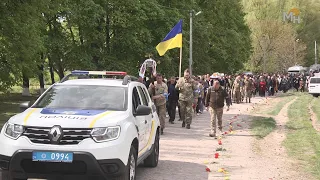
[
  {"x": 316, "y": 108},
  {"x": 303, "y": 141},
  {"x": 274, "y": 105},
  {"x": 262, "y": 126},
  {"x": 279, "y": 105}
]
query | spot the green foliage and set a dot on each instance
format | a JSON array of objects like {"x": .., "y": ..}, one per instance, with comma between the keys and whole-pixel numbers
[
  {"x": 274, "y": 41},
  {"x": 117, "y": 35}
]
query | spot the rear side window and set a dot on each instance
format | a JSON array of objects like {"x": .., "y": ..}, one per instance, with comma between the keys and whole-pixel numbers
[
  {"x": 145, "y": 91},
  {"x": 315, "y": 80},
  {"x": 143, "y": 97},
  {"x": 135, "y": 99}
]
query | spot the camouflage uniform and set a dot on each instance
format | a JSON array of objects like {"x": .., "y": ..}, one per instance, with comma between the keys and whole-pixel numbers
[
  {"x": 248, "y": 84},
  {"x": 187, "y": 93},
  {"x": 242, "y": 90},
  {"x": 236, "y": 91},
  {"x": 160, "y": 103}
]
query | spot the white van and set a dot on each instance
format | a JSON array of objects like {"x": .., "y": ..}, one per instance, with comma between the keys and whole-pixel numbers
[
  {"x": 314, "y": 86},
  {"x": 296, "y": 70}
]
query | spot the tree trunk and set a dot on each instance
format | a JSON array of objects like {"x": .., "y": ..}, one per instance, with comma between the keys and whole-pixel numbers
[
  {"x": 80, "y": 35},
  {"x": 41, "y": 78},
  {"x": 108, "y": 34},
  {"x": 51, "y": 71},
  {"x": 25, "y": 85},
  {"x": 60, "y": 70}
]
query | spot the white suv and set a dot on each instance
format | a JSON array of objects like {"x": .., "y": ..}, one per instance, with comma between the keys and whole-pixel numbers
[{"x": 82, "y": 128}]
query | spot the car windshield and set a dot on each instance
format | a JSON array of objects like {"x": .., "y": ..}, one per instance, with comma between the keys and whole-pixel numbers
[{"x": 84, "y": 97}]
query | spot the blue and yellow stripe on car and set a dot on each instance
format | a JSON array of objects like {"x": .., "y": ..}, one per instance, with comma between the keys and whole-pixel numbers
[
  {"x": 93, "y": 122},
  {"x": 25, "y": 120},
  {"x": 150, "y": 139}
]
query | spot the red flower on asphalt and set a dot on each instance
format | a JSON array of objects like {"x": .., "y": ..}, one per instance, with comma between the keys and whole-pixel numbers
[
  {"x": 219, "y": 142},
  {"x": 208, "y": 169},
  {"x": 226, "y": 132},
  {"x": 216, "y": 155},
  {"x": 239, "y": 125}
]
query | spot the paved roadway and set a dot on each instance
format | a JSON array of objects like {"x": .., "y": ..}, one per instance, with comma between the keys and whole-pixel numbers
[{"x": 183, "y": 152}]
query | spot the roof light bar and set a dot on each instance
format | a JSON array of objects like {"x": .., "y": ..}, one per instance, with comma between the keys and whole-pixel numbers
[
  {"x": 80, "y": 72},
  {"x": 100, "y": 73}
]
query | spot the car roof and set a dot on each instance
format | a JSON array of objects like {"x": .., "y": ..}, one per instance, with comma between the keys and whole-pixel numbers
[{"x": 94, "y": 82}]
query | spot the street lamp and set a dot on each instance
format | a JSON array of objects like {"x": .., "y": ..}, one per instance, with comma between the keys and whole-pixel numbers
[
  {"x": 295, "y": 54},
  {"x": 190, "y": 58}
]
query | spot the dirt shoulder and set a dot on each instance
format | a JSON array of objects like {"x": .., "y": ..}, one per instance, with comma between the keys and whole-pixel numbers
[{"x": 185, "y": 154}]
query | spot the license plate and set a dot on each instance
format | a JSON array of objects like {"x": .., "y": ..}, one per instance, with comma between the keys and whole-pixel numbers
[{"x": 52, "y": 156}]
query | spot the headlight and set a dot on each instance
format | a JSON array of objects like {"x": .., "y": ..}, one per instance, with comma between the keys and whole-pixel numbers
[
  {"x": 105, "y": 134},
  {"x": 13, "y": 131}
]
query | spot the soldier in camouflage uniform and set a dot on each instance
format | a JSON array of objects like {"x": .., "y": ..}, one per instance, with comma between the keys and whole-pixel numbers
[
  {"x": 236, "y": 90},
  {"x": 242, "y": 89},
  {"x": 248, "y": 85},
  {"x": 158, "y": 91},
  {"x": 186, "y": 87}
]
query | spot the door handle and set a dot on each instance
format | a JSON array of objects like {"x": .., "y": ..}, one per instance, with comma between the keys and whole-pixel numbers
[{"x": 145, "y": 121}]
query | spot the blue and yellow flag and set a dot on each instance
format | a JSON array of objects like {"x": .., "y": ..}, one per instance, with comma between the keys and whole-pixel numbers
[{"x": 172, "y": 40}]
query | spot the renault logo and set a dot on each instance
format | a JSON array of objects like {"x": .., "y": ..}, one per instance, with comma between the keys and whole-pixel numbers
[{"x": 55, "y": 134}]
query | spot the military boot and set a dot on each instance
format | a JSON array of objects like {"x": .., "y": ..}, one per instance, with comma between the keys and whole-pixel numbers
[
  {"x": 213, "y": 135},
  {"x": 249, "y": 100},
  {"x": 188, "y": 126}
]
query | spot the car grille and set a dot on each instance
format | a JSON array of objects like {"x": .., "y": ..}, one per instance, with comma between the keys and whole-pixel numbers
[{"x": 71, "y": 136}]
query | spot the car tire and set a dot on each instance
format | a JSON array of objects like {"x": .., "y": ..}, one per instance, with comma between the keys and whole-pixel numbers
[
  {"x": 316, "y": 95},
  {"x": 130, "y": 171},
  {"x": 153, "y": 159}
]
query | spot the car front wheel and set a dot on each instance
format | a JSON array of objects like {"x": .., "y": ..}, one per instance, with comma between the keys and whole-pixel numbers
[{"x": 130, "y": 171}]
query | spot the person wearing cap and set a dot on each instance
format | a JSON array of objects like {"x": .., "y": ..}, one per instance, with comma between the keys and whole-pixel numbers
[
  {"x": 214, "y": 103},
  {"x": 158, "y": 91}
]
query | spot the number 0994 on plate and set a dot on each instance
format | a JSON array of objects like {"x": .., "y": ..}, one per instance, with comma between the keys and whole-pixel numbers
[{"x": 52, "y": 156}]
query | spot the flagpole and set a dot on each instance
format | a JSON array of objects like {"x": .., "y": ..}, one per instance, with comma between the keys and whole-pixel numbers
[{"x": 180, "y": 62}]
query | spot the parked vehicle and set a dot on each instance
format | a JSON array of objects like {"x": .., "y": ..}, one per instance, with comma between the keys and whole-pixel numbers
[
  {"x": 297, "y": 70},
  {"x": 314, "y": 85},
  {"x": 82, "y": 127}
]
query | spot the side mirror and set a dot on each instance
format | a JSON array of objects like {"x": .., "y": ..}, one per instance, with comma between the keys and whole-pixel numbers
[
  {"x": 143, "y": 110},
  {"x": 24, "y": 106}
]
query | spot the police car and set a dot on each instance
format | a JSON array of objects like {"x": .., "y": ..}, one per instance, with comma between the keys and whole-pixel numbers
[{"x": 86, "y": 126}]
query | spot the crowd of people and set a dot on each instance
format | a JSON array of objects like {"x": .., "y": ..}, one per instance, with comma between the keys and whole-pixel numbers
[{"x": 192, "y": 94}]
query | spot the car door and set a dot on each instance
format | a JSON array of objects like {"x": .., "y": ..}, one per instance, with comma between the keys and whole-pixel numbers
[
  {"x": 140, "y": 121},
  {"x": 146, "y": 101}
]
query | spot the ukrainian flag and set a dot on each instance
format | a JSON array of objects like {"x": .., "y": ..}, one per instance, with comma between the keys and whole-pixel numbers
[{"x": 172, "y": 40}]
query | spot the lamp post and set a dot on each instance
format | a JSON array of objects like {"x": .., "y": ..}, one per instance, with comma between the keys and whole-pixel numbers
[
  {"x": 295, "y": 53},
  {"x": 190, "y": 48},
  {"x": 315, "y": 53}
]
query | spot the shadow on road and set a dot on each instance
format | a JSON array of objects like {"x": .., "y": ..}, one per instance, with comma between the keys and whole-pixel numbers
[{"x": 173, "y": 170}]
